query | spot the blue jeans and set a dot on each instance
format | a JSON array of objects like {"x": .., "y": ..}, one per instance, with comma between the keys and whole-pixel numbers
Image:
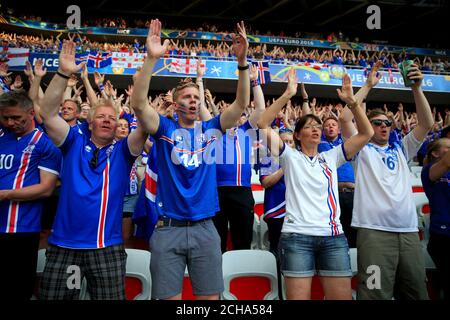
[{"x": 304, "y": 256}]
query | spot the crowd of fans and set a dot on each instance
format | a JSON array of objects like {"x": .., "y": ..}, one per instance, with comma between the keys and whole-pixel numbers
[
  {"x": 222, "y": 51},
  {"x": 85, "y": 130}
]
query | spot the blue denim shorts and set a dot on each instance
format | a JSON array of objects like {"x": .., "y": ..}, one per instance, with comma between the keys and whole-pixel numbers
[{"x": 304, "y": 256}]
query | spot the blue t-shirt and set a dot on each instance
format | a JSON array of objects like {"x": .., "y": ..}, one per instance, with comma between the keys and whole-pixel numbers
[
  {"x": 345, "y": 172},
  {"x": 430, "y": 137},
  {"x": 279, "y": 123},
  {"x": 338, "y": 60},
  {"x": 438, "y": 194},
  {"x": 233, "y": 160},
  {"x": 274, "y": 197},
  {"x": 89, "y": 214},
  {"x": 187, "y": 188},
  {"x": 395, "y": 136},
  {"x": 20, "y": 163}
]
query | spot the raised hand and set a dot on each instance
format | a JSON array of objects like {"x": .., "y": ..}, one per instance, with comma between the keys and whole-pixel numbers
[
  {"x": 240, "y": 43},
  {"x": 373, "y": 78},
  {"x": 169, "y": 97},
  {"x": 253, "y": 72},
  {"x": 72, "y": 81},
  {"x": 84, "y": 73},
  {"x": 291, "y": 89},
  {"x": 303, "y": 91},
  {"x": 346, "y": 93},
  {"x": 312, "y": 104},
  {"x": 18, "y": 82},
  {"x": 129, "y": 92},
  {"x": 201, "y": 69},
  {"x": 78, "y": 91},
  {"x": 120, "y": 99},
  {"x": 29, "y": 71},
  {"x": 154, "y": 48},
  {"x": 67, "y": 63},
  {"x": 39, "y": 71},
  {"x": 4, "y": 70},
  {"x": 98, "y": 78}
]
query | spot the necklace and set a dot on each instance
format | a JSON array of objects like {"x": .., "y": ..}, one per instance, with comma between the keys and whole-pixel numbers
[{"x": 311, "y": 162}]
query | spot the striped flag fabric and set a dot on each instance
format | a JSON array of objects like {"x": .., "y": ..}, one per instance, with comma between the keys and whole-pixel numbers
[
  {"x": 145, "y": 213},
  {"x": 263, "y": 71},
  {"x": 15, "y": 57},
  {"x": 99, "y": 60}
]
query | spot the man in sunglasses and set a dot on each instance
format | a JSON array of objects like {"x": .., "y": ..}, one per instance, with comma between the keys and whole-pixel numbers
[
  {"x": 87, "y": 232},
  {"x": 389, "y": 250}
]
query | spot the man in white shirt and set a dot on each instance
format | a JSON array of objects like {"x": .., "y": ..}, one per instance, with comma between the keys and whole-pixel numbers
[{"x": 384, "y": 211}]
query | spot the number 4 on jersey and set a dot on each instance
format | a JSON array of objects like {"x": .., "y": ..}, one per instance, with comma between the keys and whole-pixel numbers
[{"x": 193, "y": 162}]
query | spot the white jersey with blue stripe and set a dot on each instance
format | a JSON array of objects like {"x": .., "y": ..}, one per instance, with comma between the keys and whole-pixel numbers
[
  {"x": 312, "y": 197},
  {"x": 234, "y": 167},
  {"x": 89, "y": 214},
  {"x": 21, "y": 160},
  {"x": 383, "y": 194},
  {"x": 187, "y": 188}
]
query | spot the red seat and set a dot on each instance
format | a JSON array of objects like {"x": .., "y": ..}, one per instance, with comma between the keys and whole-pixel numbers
[
  {"x": 432, "y": 284},
  {"x": 259, "y": 209},
  {"x": 229, "y": 242},
  {"x": 133, "y": 287},
  {"x": 187, "y": 293},
  {"x": 317, "y": 292},
  {"x": 257, "y": 187},
  {"x": 250, "y": 288}
]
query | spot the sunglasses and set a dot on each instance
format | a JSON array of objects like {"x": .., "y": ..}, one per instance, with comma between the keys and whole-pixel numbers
[
  {"x": 379, "y": 122},
  {"x": 94, "y": 160}
]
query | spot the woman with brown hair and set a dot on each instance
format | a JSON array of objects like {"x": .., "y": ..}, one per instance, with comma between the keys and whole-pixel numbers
[{"x": 312, "y": 240}]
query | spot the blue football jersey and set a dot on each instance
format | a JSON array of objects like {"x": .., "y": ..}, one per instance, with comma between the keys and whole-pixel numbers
[
  {"x": 21, "y": 160},
  {"x": 345, "y": 172},
  {"x": 234, "y": 167},
  {"x": 89, "y": 214},
  {"x": 187, "y": 187},
  {"x": 274, "y": 197}
]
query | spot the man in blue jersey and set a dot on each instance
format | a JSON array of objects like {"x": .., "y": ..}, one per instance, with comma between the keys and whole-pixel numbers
[
  {"x": 29, "y": 167},
  {"x": 234, "y": 172},
  {"x": 186, "y": 197},
  {"x": 87, "y": 232},
  {"x": 332, "y": 138}
]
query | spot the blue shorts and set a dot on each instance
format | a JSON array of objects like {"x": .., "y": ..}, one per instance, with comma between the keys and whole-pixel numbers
[{"x": 304, "y": 256}]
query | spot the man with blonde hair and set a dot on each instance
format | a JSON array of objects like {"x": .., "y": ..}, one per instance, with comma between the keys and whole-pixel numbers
[
  {"x": 186, "y": 196},
  {"x": 87, "y": 232}
]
